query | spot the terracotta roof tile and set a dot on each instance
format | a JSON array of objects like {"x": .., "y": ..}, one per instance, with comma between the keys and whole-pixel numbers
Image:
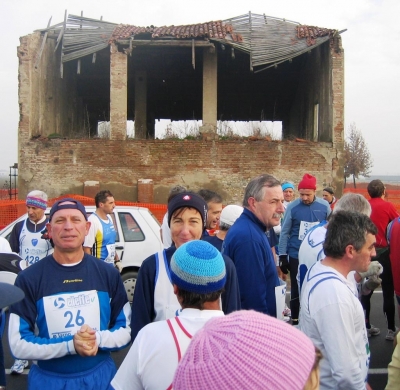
[
  {"x": 311, "y": 33},
  {"x": 216, "y": 29}
]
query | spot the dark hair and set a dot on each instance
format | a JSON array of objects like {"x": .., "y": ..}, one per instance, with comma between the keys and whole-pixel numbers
[
  {"x": 175, "y": 190},
  {"x": 210, "y": 196},
  {"x": 101, "y": 197},
  {"x": 376, "y": 188},
  {"x": 195, "y": 300},
  {"x": 256, "y": 188},
  {"x": 347, "y": 228}
]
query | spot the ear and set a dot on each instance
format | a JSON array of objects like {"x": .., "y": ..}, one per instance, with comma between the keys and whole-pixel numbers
[
  {"x": 176, "y": 289},
  {"x": 48, "y": 227},
  {"x": 88, "y": 224},
  {"x": 350, "y": 250},
  {"x": 252, "y": 203}
]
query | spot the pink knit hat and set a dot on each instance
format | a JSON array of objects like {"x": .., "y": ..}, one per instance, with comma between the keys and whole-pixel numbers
[
  {"x": 308, "y": 182},
  {"x": 246, "y": 350}
]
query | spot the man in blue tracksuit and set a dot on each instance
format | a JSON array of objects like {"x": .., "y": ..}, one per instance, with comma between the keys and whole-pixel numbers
[
  {"x": 300, "y": 216},
  {"x": 247, "y": 244}
]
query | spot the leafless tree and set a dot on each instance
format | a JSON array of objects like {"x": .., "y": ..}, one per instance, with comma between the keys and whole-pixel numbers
[{"x": 357, "y": 159}]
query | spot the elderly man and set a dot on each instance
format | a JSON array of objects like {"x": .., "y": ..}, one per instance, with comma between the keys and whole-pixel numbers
[
  {"x": 75, "y": 310},
  {"x": 100, "y": 241},
  {"x": 331, "y": 314},
  {"x": 198, "y": 276},
  {"x": 229, "y": 215},
  {"x": 300, "y": 216},
  {"x": 247, "y": 244},
  {"x": 26, "y": 240},
  {"x": 154, "y": 298}
]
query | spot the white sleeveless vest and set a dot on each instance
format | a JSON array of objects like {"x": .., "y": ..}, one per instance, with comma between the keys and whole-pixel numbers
[{"x": 166, "y": 303}]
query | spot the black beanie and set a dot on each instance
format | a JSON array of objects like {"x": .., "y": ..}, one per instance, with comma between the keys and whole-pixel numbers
[{"x": 188, "y": 199}]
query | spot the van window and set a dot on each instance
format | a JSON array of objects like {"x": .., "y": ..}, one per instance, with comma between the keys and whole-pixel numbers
[{"x": 130, "y": 228}]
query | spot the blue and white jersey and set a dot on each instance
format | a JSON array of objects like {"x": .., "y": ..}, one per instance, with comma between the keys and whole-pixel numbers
[
  {"x": 101, "y": 238},
  {"x": 32, "y": 247},
  {"x": 58, "y": 301},
  {"x": 311, "y": 250},
  {"x": 332, "y": 317},
  {"x": 298, "y": 220}
]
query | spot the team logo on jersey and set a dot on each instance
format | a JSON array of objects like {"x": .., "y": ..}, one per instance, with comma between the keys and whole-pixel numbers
[
  {"x": 34, "y": 241},
  {"x": 59, "y": 302}
]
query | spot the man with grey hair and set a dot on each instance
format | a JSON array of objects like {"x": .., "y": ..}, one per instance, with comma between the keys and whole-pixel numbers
[
  {"x": 331, "y": 314},
  {"x": 247, "y": 244},
  {"x": 228, "y": 217},
  {"x": 26, "y": 240},
  {"x": 311, "y": 250}
]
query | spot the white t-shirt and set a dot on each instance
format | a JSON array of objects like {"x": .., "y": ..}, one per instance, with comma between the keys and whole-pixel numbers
[
  {"x": 166, "y": 232},
  {"x": 332, "y": 316},
  {"x": 153, "y": 358},
  {"x": 4, "y": 246}
]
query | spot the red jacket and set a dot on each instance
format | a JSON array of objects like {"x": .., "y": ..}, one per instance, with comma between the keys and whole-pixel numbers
[{"x": 382, "y": 213}]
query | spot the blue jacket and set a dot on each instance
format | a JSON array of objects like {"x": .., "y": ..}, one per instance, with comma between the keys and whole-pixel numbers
[
  {"x": 296, "y": 220},
  {"x": 247, "y": 245},
  {"x": 143, "y": 299}
]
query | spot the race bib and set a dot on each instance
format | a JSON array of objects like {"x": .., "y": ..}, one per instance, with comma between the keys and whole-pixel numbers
[
  {"x": 110, "y": 253},
  {"x": 66, "y": 313},
  {"x": 304, "y": 228}
]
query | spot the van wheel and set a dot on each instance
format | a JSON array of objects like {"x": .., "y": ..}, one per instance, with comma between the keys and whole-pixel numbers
[{"x": 129, "y": 278}]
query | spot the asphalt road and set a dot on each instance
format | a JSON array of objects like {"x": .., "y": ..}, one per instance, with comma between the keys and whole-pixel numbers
[{"x": 381, "y": 352}]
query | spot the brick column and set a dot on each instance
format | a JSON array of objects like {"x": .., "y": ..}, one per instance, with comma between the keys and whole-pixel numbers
[
  {"x": 337, "y": 58},
  {"x": 145, "y": 191},
  {"x": 118, "y": 93}
]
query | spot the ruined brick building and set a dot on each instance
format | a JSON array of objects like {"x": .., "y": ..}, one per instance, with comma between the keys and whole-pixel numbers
[{"x": 74, "y": 74}]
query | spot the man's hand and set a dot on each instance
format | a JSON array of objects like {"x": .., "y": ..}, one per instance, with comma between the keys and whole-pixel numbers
[
  {"x": 284, "y": 264},
  {"x": 118, "y": 266},
  {"x": 85, "y": 341},
  {"x": 375, "y": 268}
]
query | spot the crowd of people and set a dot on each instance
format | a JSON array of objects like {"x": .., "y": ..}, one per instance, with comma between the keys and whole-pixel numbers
[{"x": 206, "y": 311}]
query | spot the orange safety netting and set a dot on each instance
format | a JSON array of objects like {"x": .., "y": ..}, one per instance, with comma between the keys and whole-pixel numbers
[
  {"x": 392, "y": 195},
  {"x": 10, "y": 210}
]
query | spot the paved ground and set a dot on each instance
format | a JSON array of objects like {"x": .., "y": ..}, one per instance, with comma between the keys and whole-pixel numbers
[{"x": 381, "y": 352}]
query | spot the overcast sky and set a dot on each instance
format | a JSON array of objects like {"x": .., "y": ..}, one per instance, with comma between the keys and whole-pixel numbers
[{"x": 371, "y": 45}]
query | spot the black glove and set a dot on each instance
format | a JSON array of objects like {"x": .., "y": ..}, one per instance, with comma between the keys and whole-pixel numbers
[{"x": 284, "y": 264}]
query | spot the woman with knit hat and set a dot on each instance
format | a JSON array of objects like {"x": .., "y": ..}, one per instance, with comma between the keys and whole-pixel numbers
[
  {"x": 154, "y": 298},
  {"x": 198, "y": 275},
  {"x": 248, "y": 350}
]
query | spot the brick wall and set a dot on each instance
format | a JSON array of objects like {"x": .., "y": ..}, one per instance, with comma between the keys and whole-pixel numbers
[{"x": 62, "y": 166}]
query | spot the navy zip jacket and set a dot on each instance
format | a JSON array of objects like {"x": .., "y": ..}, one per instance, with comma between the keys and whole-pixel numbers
[
  {"x": 143, "y": 300},
  {"x": 247, "y": 245}
]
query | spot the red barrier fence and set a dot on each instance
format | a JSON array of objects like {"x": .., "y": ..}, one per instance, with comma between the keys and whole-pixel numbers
[
  {"x": 10, "y": 210},
  {"x": 392, "y": 195}
]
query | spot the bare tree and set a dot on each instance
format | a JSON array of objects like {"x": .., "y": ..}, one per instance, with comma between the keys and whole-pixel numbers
[{"x": 357, "y": 159}]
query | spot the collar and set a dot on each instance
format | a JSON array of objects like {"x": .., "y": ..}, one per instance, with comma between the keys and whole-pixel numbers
[
  {"x": 253, "y": 218},
  {"x": 196, "y": 313},
  {"x": 40, "y": 221}
]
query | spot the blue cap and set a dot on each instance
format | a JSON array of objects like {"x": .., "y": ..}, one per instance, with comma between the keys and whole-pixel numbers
[
  {"x": 287, "y": 185},
  {"x": 61, "y": 205},
  {"x": 198, "y": 267}
]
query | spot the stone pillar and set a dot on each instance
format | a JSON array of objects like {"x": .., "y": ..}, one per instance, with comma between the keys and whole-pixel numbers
[
  {"x": 141, "y": 104},
  {"x": 209, "y": 91},
  {"x": 91, "y": 188},
  {"x": 118, "y": 93},
  {"x": 145, "y": 191}
]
